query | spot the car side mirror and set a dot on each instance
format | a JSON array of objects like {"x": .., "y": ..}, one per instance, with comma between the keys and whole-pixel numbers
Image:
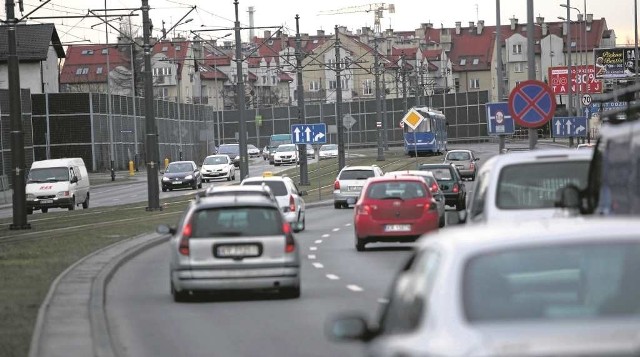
[
  {"x": 349, "y": 328},
  {"x": 476, "y": 159},
  {"x": 74, "y": 179},
  {"x": 569, "y": 197},
  {"x": 165, "y": 229}
]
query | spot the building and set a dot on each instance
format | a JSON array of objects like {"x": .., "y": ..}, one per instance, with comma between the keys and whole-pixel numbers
[{"x": 86, "y": 66}]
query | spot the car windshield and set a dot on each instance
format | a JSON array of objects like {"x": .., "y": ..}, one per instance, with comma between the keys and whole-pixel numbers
[
  {"x": 536, "y": 185},
  {"x": 49, "y": 174},
  {"x": 458, "y": 156},
  {"x": 229, "y": 149},
  {"x": 285, "y": 148},
  {"x": 179, "y": 167},
  {"x": 405, "y": 190},
  {"x": 441, "y": 174},
  {"x": 328, "y": 147},
  {"x": 553, "y": 283},
  {"x": 277, "y": 187},
  {"x": 356, "y": 174},
  {"x": 215, "y": 160},
  {"x": 236, "y": 222}
]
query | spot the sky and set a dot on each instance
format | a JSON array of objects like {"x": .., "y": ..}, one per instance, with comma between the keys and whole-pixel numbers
[{"x": 273, "y": 14}]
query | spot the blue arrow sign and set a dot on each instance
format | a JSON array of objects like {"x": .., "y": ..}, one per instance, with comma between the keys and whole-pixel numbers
[
  {"x": 499, "y": 120},
  {"x": 309, "y": 133},
  {"x": 569, "y": 127}
]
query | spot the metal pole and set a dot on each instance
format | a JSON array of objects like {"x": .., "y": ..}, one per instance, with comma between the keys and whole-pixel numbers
[
  {"x": 244, "y": 161},
  {"x": 404, "y": 84},
  {"x": 635, "y": 26},
  {"x": 17, "y": 134},
  {"x": 340, "y": 127},
  {"x": 376, "y": 69},
  {"x": 569, "y": 96},
  {"x": 151, "y": 142},
  {"x": 500, "y": 74},
  {"x": 302, "y": 149},
  {"x": 133, "y": 98},
  {"x": 109, "y": 117},
  {"x": 531, "y": 59},
  {"x": 178, "y": 100}
]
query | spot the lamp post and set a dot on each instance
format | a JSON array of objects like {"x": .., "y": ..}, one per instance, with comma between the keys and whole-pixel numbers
[
  {"x": 178, "y": 82},
  {"x": 578, "y": 51}
]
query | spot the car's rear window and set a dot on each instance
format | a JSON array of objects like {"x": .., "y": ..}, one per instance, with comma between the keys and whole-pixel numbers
[
  {"x": 573, "y": 281},
  {"x": 236, "y": 222},
  {"x": 173, "y": 168},
  {"x": 458, "y": 156},
  {"x": 229, "y": 149},
  {"x": 356, "y": 174},
  {"x": 215, "y": 160},
  {"x": 441, "y": 174},
  {"x": 537, "y": 185},
  {"x": 278, "y": 188},
  {"x": 405, "y": 190}
]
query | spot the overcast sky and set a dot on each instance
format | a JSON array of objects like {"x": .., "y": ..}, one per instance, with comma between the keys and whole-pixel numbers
[{"x": 409, "y": 14}]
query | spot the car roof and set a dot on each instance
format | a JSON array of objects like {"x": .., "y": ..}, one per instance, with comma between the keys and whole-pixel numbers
[
  {"x": 218, "y": 155},
  {"x": 234, "y": 201},
  {"x": 182, "y": 162},
  {"x": 395, "y": 178},
  {"x": 459, "y": 150},
  {"x": 267, "y": 178},
  {"x": 539, "y": 232},
  {"x": 368, "y": 167},
  {"x": 548, "y": 155},
  {"x": 410, "y": 172},
  {"x": 238, "y": 188}
]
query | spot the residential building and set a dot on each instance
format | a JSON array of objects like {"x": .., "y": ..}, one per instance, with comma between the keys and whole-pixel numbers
[{"x": 86, "y": 66}]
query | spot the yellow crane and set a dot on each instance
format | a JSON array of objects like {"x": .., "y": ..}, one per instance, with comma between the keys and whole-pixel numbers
[{"x": 377, "y": 9}]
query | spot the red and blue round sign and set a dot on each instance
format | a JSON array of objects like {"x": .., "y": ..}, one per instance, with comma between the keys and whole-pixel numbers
[{"x": 532, "y": 104}]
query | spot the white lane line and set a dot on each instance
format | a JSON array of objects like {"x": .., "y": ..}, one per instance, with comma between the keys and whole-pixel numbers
[
  {"x": 383, "y": 301},
  {"x": 318, "y": 265},
  {"x": 325, "y": 235},
  {"x": 348, "y": 225},
  {"x": 311, "y": 256},
  {"x": 333, "y": 277},
  {"x": 318, "y": 241},
  {"x": 336, "y": 229},
  {"x": 313, "y": 248},
  {"x": 355, "y": 288}
]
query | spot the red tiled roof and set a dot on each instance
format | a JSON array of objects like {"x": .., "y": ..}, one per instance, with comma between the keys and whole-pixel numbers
[
  {"x": 254, "y": 62},
  {"x": 217, "y": 59},
  {"x": 252, "y": 77},
  {"x": 208, "y": 72},
  {"x": 88, "y": 58},
  {"x": 432, "y": 55},
  {"x": 283, "y": 77},
  {"x": 271, "y": 47}
]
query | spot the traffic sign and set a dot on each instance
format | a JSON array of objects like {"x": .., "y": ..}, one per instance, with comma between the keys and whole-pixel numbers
[
  {"x": 499, "y": 121},
  {"x": 413, "y": 118},
  {"x": 586, "y": 99},
  {"x": 309, "y": 133},
  {"x": 348, "y": 121},
  {"x": 532, "y": 104},
  {"x": 569, "y": 127}
]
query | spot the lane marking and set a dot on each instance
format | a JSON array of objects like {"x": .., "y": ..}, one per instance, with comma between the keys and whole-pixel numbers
[
  {"x": 354, "y": 288},
  {"x": 318, "y": 241},
  {"x": 313, "y": 248},
  {"x": 383, "y": 301},
  {"x": 348, "y": 225},
  {"x": 311, "y": 256},
  {"x": 333, "y": 277},
  {"x": 325, "y": 235},
  {"x": 318, "y": 265},
  {"x": 336, "y": 229}
]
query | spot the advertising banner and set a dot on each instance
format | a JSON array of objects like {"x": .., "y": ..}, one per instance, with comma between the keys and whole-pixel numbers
[
  {"x": 618, "y": 62},
  {"x": 583, "y": 80}
]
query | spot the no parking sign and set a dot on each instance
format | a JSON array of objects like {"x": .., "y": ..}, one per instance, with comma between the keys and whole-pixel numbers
[{"x": 532, "y": 104}]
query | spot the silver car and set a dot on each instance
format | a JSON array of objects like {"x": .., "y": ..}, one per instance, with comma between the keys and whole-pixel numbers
[
  {"x": 464, "y": 161},
  {"x": 349, "y": 183},
  {"x": 556, "y": 287},
  {"x": 223, "y": 243},
  {"x": 287, "y": 194},
  {"x": 238, "y": 191},
  {"x": 434, "y": 188}
]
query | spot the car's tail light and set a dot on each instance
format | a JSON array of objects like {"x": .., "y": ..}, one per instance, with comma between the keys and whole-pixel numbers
[
  {"x": 472, "y": 166},
  {"x": 434, "y": 187},
  {"x": 336, "y": 185},
  {"x": 290, "y": 243},
  {"x": 184, "y": 240},
  {"x": 456, "y": 188},
  {"x": 292, "y": 204},
  {"x": 365, "y": 210}
]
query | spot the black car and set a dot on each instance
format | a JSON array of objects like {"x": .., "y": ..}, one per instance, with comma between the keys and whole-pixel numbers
[
  {"x": 448, "y": 177},
  {"x": 181, "y": 174},
  {"x": 233, "y": 150}
]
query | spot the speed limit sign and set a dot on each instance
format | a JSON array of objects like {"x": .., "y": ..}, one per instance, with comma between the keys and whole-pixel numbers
[{"x": 586, "y": 99}]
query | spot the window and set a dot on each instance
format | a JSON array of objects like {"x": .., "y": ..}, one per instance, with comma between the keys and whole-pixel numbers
[
  {"x": 517, "y": 49},
  {"x": 463, "y": 61},
  {"x": 87, "y": 52},
  {"x": 474, "y": 83},
  {"x": 333, "y": 85},
  {"x": 518, "y": 67},
  {"x": 99, "y": 70},
  {"x": 274, "y": 79},
  {"x": 573, "y": 43},
  {"x": 178, "y": 48},
  {"x": 165, "y": 48},
  {"x": 242, "y": 221},
  {"x": 82, "y": 70},
  {"x": 367, "y": 87},
  {"x": 264, "y": 79},
  {"x": 344, "y": 83},
  {"x": 331, "y": 63},
  {"x": 314, "y": 86},
  {"x": 104, "y": 51},
  {"x": 234, "y": 78},
  {"x": 476, "y": 61}
]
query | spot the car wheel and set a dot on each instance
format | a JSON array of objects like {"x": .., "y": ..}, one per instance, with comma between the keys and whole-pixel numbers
[
  {"x": 337, "y": 205},
  {"x": 29, "y": 210},
  {"x": 442, "y": 221},
  {"x": 461, "y": 205},
  {"x": 229, "y": 178},
  {"x": 234, "y": 176},
  {"x": 72, "y": 206},
  {"x": 200, "y": 184},
  {"x": 179, "y": 296},
  {"x": 85, "y": 204},
  {"x": 290, "y": 293},
  {"x": 164, "y": 189},
  {"x": 360, "y": 243}
]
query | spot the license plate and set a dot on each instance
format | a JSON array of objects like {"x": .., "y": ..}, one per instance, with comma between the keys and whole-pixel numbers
[
  {"x": 237, "y": 251},
  {"x": 397, "y": 228},
  {"x": 177, "y": 182},
  {"x": 355, "y": 188},
  {"x": 46, "y": 201},
  {"x": 460, "y": 166}
]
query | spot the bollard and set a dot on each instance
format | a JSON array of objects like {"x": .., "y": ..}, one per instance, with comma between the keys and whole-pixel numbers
[
  {"x": 113, "y": 174},
  {"x": 166, "y": 162},
  {"x": 131, "y": 168}
]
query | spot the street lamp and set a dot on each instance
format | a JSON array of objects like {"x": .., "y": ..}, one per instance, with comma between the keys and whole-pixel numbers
[
  {"x": 580, "y": 43},
  {"x": 178, "y": 94}
]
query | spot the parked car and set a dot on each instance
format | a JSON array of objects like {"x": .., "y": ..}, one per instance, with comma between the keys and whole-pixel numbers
[
  {"x": 287, "y": 194},
  {"x": 434, "y": 188},
  {"x": 448, "y": 177},
  {"x": 311, "y": 152},
  {"x": 181, "y": 174},
  {"x": 327, "y": 151},
  {"x": 217, "y": 166},
  {"x": 394, "y": 209},
  {"x": 233, "y": 150},
  {"x": 265, "y": 153},
  {"x": 349, "y": 183},
  {"x": 222, "y": 245},
  {"x": 526, "y": 185},
  {"x": 286, "y": 154},
  {"x": 464, "y": 161},
  {"x": 253, "y": 151},
  {"x": 550, "y": 287},
  {"x": 276, "y": 140}
]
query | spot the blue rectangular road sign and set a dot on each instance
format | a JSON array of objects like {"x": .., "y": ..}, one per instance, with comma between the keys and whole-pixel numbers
[
  {"x": 569, "y": 127},
  {"x": 309, "y": 133},
  {"x": 499, "y": 121}
]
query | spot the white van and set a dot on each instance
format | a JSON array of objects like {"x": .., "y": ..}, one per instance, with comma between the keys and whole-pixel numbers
[{"x": 60, "y": 183}]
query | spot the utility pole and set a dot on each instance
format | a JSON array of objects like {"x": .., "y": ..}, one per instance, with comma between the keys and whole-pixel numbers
[
  {"x": 376, "y": 69},
  {"x": 340, "y": 128},
  {"x": 151, "y": 142},
  {"x": 417, "y": 76},
  {"x": 404, "y": 84},
  {"x": 302, "y": 149},
  {"x": 17, "y": 134},
  {"x": 112, "y": 151},
  {"x": 244, "y": 161},
  {"x": 531, "y": 60},
  {"x": 569, "y": 96},
  {"x": 500, "y": 74}
]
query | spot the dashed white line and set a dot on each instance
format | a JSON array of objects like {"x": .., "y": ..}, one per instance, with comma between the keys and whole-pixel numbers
[
  {"x": 383, "y": 301},
  {"x": 318, "y": 265},
  {"x": 333, "y": 277},
  {"x": 318, "y": 241},
  {"x": 348, "y": 225},
  {"x": 325, "y": 235},
  {"x": 336, "y": 229},
  {"x": 355, "y": 288},
  {"x": 311, "y": 256},
  {"x": 313, "y": 248}
]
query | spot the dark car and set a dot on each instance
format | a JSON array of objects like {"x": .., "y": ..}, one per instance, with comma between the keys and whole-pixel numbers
[
  {"x": 448, "y": 177},
  {"x": 233, "y": 150},
  {"x": 181, "y": 174}
]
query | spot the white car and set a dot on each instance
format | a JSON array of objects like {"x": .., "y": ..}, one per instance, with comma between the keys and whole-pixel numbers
[
  {"x": 328, "y": 151},
  {"x": 286, "y": 154},
  {"x": 217, "y": 166},
  {"x": 311, "y": 152},
  {"x": 550, "y": 287},
  {"x": 253, "y": 151}
]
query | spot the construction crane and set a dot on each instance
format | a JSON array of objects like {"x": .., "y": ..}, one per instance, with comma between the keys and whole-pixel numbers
[{"x": 376, "y": 8}]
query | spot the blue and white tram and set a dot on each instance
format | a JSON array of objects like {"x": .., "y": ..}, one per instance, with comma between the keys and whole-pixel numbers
[{"x": 430, "y": 136}]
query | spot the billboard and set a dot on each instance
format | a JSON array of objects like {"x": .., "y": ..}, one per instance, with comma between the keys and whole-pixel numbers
[
  {"x": 583, "y": 80},
  {"x": 615, "y": 62}
]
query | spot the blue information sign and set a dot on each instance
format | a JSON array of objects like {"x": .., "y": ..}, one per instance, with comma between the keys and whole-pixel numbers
[
  {"x": 569, "y": 127},
  {"x": 499, "y": 121},
  {"x": 309, "y": 133}
]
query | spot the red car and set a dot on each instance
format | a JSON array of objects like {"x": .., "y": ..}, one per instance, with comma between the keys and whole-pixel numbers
[{"x": 394, "y": 209}]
